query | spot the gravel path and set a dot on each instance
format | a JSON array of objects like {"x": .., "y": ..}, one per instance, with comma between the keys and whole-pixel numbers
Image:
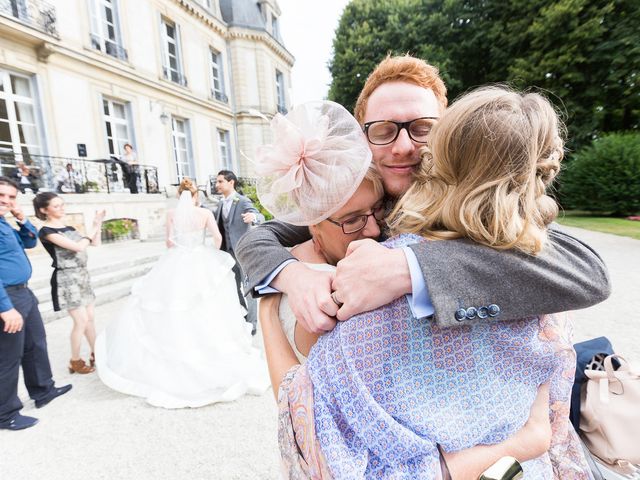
[{"x": 95, "y": 433}]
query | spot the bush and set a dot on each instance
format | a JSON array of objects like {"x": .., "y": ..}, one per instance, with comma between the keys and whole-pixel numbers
[
  {"x": 249, "y": 191},
  {"x": 605, "y": 176}
]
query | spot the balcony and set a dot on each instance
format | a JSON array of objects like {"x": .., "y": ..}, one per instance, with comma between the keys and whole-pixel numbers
[
  {"x": 174, "y": 76},
  {"x": 80, "y": 175},
  {"x": 33, "y": 13},
  {"x": 109, "y": 47}
]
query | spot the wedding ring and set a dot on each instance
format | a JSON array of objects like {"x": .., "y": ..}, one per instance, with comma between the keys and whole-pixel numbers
[{"x": 335, "y": 300}]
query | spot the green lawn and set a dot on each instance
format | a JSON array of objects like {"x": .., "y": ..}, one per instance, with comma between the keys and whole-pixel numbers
[{"x": 616, "y": 226}]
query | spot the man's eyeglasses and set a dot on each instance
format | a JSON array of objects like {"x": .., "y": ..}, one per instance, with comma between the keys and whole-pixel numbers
[
  {"x": 358, "y": 222},
  {"x": 384, "y": 132}
]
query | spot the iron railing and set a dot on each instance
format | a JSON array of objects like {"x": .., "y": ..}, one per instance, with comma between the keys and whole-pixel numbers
[
  {"x": 174, "y": 76},
  {"x": 110, "y": 47},
  {"x": 219, "y": 96},
  {"x": 35, "y": 13},
  {"x": 241, "y": 182},
  {"x": 81, "y": 175}
]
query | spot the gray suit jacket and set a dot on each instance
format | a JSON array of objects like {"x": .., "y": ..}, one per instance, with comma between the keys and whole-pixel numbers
[
  {"x": 468, "y": 282},
  {"x": 237, "y": 227}
]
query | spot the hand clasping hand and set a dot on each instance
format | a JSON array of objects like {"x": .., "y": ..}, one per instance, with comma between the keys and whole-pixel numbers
[
  {"x": 309, "y": 294},
  {"x": 369, "y": 276}
]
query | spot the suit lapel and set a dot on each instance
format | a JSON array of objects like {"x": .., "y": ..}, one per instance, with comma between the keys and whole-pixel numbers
[{"x": 232, "y": 210}]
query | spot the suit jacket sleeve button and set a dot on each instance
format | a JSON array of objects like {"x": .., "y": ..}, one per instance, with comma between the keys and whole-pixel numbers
[
  {"x": 494, "y": 310},
  {"x": 483, "y": 312},
  {"x": 471, "y": 313},
  {"x": 460, "y": 314}
]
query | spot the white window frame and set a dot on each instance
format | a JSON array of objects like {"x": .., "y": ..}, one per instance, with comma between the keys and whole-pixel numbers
[
  {"x": 224, "y": 149},
  {"x": 12, "y": 100},
  {"x": 183, "y": 157},
  {"x": 115, "y": 144},
  {"x": 109, "y": 42},
  {"x": 275, "y": 27},
  {"x": 176, "y": 74},
  {"x": 218, "y": 90}
]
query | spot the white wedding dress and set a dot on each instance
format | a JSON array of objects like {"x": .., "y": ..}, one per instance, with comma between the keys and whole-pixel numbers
[{"x": 182, "y": 340}]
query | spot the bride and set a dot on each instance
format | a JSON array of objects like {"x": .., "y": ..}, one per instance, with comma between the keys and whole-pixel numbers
[{"x": 182, "y": 340}]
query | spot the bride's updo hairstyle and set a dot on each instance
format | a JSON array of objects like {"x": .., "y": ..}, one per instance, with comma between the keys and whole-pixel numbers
[
  {"x": 187, "y": 185},
  {"x": 485, "y": 172},
  {"x": 318, "y": 159}
]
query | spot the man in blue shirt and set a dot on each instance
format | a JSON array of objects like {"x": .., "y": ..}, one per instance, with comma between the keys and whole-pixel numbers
[{"x": 22, "y": 335}]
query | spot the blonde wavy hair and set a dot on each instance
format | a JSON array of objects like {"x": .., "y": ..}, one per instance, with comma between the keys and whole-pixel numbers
[
  {"x": 404, "y": 68},
  {"x": 485, "y": 173}
]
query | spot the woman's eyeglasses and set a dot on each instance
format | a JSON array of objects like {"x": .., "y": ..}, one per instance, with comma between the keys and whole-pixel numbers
[
  {"x": 358, "y": 222},
  {"x": 384, "y": 132}
]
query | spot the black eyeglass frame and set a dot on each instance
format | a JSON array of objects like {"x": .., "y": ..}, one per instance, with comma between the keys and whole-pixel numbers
[
  {"x": 379, "y": 210},
  {"x": 399, "y": 127}
]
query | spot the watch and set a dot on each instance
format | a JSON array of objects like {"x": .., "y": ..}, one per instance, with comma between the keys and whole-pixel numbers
[{"x": 507, "y": 468}]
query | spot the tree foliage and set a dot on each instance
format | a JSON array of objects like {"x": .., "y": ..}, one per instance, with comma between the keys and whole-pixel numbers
[
  {"x": 584, "y": 53},
  {"x": 605, "y": 176}
]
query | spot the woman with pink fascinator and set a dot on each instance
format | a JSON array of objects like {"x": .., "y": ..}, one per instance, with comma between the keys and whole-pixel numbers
[{"x": 386, "y": 394}]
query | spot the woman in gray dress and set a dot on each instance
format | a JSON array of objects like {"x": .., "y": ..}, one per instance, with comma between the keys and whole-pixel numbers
[{"x": 70, "y": 284}]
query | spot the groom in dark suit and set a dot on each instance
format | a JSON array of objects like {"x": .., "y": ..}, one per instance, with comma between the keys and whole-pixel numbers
[{"x": 235, "y": 214}]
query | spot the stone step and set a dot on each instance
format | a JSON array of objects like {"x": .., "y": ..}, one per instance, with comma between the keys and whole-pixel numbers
[
  {"x": 104, "y": 294},
  {"x": 43, "y": 278},
  {"x": 114, "y": 277}
]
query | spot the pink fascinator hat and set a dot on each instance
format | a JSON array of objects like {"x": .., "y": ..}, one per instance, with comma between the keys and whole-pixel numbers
[{"x": 318, "y": 158}]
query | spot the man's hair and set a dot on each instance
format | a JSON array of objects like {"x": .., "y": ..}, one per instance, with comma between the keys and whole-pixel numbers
[
  {"x": 492, "y": 156},
  {"x": 229, "y": 176},
  {"x": 401, "y": 69},
  {"x": 8, "y": 181}
]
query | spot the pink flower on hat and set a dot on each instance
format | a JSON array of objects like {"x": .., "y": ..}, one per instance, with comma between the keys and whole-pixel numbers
[{"x": 317, "y": 160}]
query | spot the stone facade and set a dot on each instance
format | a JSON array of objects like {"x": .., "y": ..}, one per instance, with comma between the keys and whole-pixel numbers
[
  {"x": 187, "y": 83},
  {"x": 190, "y": 84}
]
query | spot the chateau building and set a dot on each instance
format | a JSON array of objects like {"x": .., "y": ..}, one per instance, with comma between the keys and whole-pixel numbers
[{"x": 189, "y": 84}]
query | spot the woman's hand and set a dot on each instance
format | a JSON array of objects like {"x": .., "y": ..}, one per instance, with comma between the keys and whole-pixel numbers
[
  {"x": 99, "y": 217},
  {"x": 531, "y": 441}
]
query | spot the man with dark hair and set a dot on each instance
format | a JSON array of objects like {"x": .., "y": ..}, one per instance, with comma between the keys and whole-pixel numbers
[
  {"x": 235, "y": 214},
  {"x": 22, "y": 336}
]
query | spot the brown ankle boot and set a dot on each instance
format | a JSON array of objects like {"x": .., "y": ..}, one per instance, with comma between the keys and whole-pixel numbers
[{"x": 78, "y": 366}]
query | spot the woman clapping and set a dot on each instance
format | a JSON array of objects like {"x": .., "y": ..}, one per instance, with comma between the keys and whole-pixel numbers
[{"x": 70, "y": 285}]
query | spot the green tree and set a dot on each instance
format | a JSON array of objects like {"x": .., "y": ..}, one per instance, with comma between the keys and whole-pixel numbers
[
  {"x": 371, "y": 29},
  {"x": 584, "y": 53}
]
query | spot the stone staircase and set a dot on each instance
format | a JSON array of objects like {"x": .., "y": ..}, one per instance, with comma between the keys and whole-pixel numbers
[{"x": 113, "y": 270}]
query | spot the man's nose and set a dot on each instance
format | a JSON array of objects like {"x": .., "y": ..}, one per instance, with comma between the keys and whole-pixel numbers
[
  {"x": 403, "y": 143},
  {"x": 371, "y": 228}
]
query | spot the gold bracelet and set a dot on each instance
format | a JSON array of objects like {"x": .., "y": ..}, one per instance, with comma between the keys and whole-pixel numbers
[{"x": 507, "y": 468}]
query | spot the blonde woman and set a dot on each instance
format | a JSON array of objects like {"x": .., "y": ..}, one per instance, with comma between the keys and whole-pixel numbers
[
  {"x": 70, "y": 283},
  {"x": 384, "y": 392},
  {"x": 181, "y": 340}
]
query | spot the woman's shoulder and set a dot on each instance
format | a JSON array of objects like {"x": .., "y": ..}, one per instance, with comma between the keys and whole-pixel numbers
[
  {"x": 47, "y": 230},
  {"x": 403, "y": 240}
]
